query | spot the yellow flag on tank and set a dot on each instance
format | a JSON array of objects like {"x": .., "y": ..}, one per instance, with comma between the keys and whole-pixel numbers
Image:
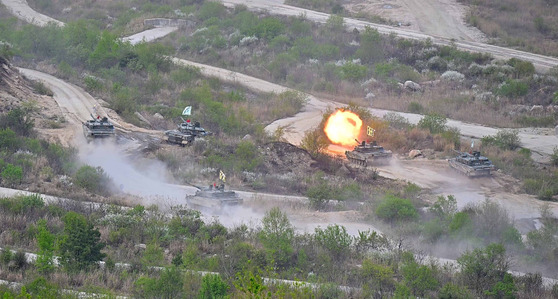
[
  {"x": 222, "y": 176},
  {"x": 370, "y": 131}
]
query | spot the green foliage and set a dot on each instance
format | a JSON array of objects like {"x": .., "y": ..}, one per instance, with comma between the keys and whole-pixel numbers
[
  {"x": 6, "y": 255},
  {"x": 6, "y": 51},
  {"x": 483, "y": 269},
  {"x": 334, "y": 239},
  {"x": 315, "y": 142},
  {"x": 419, "y": 278},
  {"x": 453, "y": 291},
  {"x": 12, "y": 175},
  {"x": 18, "y": 121},
  {"x": 378, "y": 278},
  {"x": 353, "y": 72},
  {"x": 535, "y": 121},
  {"x": 415, "y": 107},
  {"x": 168, "y": 286},
  {"x": 153, "y": 255},
  {"x": 79, "y": 247},
  {"x": 41, "y": 288},
  {"x": 395, "y": 209},
  {"x": 92, "y": 179},
  {"x": 9, "y": 140},
  {"x": 504, "y": 139},
  {"x": 251, "y": 284},
  {"x": 22, "y": 203},
  {"x": 370, "y": 49},
  {"x": 444, "y": 207},
  {"x": 277, "y": 236},
  {"x": 269, "y": 27},
  {"x": 45, "y": 241},
  {"x": 213, "y": 287},
  {"x": 513, "y": 89},
  {"x": 554, "y": 157},
  {"x": 521, "y": 68},
  {"x": 435, "y": 123},
  {"x": 211, "y": 9}
]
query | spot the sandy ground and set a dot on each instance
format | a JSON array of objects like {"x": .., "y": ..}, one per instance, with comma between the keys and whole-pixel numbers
[{"x": 444, "y": 18}]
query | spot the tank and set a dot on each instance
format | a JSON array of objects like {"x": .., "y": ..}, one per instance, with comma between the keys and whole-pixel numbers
[
  {"x": 98, "y": 128},
  {"x": 214, "y": 198},
  {"x": 367, "y": 154},
  {"x": 185, "y": 134},
  {"x": 471, "y": 164},
  {"x": 177, "y": 137},
  {"x": 194, "y": 129}
]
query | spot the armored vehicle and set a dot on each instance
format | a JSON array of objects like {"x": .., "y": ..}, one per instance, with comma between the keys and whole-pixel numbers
[
  {"x": 98, "y": 127},
  {"x": 185, "y": 133},
  {"x": 367, "y": 154},
  {"x": 213, "y": 197},
  {"x": 471, "y": 164}
]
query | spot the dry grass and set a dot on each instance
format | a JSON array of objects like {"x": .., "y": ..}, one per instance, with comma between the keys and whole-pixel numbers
[
  {"x": 527, "y": 25},
  {"x": 455, "y": 104}
]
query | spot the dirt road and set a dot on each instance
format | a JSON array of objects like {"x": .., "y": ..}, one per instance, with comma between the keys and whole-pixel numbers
[
  {"x": 426, "y": 173},
  {"x": 21, "y": 9},
  {"x": 542, "y": 63}
]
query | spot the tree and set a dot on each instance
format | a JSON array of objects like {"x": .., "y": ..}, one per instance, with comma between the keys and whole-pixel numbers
[
  {"x": 334, "y": 239},
  {"x": 277, "y": 235},
  {"x": 482, "y": 269},
  {"x": 419, "y": 278},
  {"x": 168, "y": 286},
  {"x": 80, "y": 246},
  {"x": 45, "y": 240},
  {"x": 213, "y": 287}
]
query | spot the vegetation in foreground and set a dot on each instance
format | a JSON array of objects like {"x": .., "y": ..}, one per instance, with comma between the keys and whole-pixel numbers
[{"x": 150, "y": 254}]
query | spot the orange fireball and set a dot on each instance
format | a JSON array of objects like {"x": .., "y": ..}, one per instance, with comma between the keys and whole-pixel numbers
[{"x": 343, "y": 127}]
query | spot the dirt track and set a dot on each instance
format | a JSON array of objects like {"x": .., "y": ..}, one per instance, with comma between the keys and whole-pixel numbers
[{"x": 427, "y": 173}]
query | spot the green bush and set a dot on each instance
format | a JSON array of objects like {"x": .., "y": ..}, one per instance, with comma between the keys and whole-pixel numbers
[
  {"x": 435, "y": 123},
  {"x": 353, "y": 72},
  {"x": 92, "y": 179},
  {"x": 504, "y": 139},
  {"x": 394, "y": 209},
  {"x": 335, "y": 239},
  {"x": 12, "y": 175},
  {"x": 213, "y": 286},
  {"x": 18, "y": 121},
  {"x": 513, "y": 89}
]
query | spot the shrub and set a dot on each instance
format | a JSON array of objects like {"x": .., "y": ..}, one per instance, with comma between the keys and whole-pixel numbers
[
  {"x": 92, "y": 179},
  {"x": 393, "y": 208},
  {"x": 335, "y": 239},
  {"x": 435, "y": 123},
  {"x": 18, "y": 121},
  {"x": 504, "y": 139},
  {"x": 79, "y": 246},
  {"x": 415, "y": 107},
  {"x": 353, "y": 72},
  {"x": 12, "y": 175},
  {"x": 513, "y": 89},
  {"x": 213, "y": 286}
]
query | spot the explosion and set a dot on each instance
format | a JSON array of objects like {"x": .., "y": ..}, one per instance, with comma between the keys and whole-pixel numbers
[{"x": 343, "y": 127}]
